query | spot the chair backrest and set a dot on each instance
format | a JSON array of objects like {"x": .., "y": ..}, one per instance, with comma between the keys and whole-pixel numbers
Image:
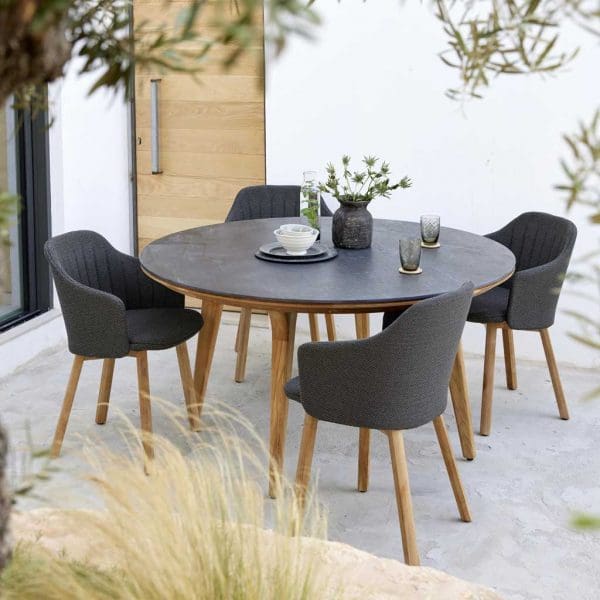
[
  {"x": 268, "y": 202},
  {"x": 87, "y": 258},
  {"x": 96, "y": 284},
  {"x": 397, "y": 379},
  {"x": 542, "y": 245},
  {"x": 536, "y": 238}
]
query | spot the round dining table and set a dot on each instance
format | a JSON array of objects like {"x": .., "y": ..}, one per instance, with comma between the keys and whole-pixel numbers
[{"x": 217, "y": 264}]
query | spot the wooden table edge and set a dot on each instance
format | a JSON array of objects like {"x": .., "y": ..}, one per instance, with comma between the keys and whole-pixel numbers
[{"x": 304, "y": 307}]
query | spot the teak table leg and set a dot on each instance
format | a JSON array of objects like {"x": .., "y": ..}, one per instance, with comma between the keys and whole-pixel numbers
[
  {"x": 363, "y": 325},
  {"x": 291, "y": 344},
  {"x": 281, "y": 323},
  {"x": 364, "y": 437},
  {"x": 313, "y": 323},
  {"x": 461, "y": 403},
  {"x": 207, "y": 338},
  {"x": 330, "y": 324}
]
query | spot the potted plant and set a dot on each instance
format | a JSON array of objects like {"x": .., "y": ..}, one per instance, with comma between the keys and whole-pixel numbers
[{"x": 352, "y": 223}]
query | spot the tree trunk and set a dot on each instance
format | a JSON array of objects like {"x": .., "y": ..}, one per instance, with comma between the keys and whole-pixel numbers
[
  {"x": 33, "y": 44},
  {"x": 5, "y": 545}
]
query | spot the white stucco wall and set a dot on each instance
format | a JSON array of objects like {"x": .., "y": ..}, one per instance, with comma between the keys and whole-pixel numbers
[
  {"x": 89, "y": 183},
  {"x": 372, "y": 83}
]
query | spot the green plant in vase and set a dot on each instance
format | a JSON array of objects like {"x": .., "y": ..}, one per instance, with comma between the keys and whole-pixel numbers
[{"x": 352, "y": 225}]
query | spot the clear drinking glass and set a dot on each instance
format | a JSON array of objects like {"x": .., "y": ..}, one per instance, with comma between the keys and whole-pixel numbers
[
  {"x": 430, "y": 229},
  {"x": 310, "y": 200},
  {"x": 410, "y": 254}
]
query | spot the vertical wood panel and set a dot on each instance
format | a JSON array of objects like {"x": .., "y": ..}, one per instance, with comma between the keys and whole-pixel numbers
[{"x": 212, "y": 133}]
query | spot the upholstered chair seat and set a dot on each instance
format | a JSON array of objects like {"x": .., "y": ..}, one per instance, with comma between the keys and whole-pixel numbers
[{"x": 490, "y": 307}]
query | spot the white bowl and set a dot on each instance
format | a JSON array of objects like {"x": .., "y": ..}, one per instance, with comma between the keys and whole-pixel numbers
[
  {"x": 297, "y": 243},
  {"x": 296, "y": 229}
]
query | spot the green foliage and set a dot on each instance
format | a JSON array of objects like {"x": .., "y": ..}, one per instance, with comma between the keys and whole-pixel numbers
[
  {"x": 507, "y": 37},
  {"x": 9, "y": 204},
  {"x": 361, "y": 186},
  {"x": 584, "y": 521},
  {"x": 194, "y": 523},
  {"x": 111, "y": 44},
  {"x": 582, "y": 168}
]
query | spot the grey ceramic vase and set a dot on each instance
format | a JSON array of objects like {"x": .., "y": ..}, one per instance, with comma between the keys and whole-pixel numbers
[{"x": 352, "y": 226}]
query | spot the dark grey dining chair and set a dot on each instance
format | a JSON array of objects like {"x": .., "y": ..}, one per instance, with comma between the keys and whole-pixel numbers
[
  {"x": 112, "y": 309},
  {"x": 542, "y": 245},
  {"x": 395, "y": 380},
  {"x": 269, "y": 202}
]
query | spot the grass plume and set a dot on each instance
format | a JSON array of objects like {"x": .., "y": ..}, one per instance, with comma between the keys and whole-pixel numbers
[{"x": 190, "y": 527}]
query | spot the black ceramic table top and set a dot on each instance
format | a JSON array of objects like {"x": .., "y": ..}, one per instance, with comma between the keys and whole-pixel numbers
[{"x": 218, "y": 260}]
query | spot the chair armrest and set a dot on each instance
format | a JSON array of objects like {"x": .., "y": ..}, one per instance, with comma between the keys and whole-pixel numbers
[
  {"x": 534, "y": 295},
  {"x": 95, "y": 320}
]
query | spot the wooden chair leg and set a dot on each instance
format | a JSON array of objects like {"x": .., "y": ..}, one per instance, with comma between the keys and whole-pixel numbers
[
  {"x": 457, "y": 488},
  {"x": 63, "y": 419},
  {"x": 144, "y": 398},
  {"x": 362, "y": 324},
  {"x": 313, "y": 322},
  {"x": 563, "y": 409},
  {"x": 187, "y": 381},
  {"x": 305, "y": 456},
  {"x": 241, "y": 344},
  {"x": 510, "y": 361},
  {"x": 364, "y": 444},
  {"x": 488, "y": 379},
  {"x": 459, "y": 392},
  {"x": 330, "y": 324},
  {"x": 108, "y": 368},
  {"x": 403, "y": 499}
]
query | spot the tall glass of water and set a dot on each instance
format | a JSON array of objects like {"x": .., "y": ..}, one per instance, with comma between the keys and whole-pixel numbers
[{"x": 310, "y": 200}]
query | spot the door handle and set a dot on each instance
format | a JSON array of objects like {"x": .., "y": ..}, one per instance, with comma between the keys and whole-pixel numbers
[{"x": 154, "y": 125}]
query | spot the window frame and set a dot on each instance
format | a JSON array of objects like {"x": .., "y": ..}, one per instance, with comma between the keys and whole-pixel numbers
[{"x": 33, "y": 189}]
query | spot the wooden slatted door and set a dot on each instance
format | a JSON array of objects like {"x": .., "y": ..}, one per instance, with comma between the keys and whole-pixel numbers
[{"x": 211, "y": 136}]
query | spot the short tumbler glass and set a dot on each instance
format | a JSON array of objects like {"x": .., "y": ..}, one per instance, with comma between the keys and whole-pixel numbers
[
  {"x": 430, "y": 229},
  {"x": 410, "y": 254}
]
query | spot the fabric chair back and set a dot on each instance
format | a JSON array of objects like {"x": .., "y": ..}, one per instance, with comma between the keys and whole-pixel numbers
[
  {"x": 397, "y": 379},
  {"x": 268, "y": 202},
  {"x": 96, "y": 284}
]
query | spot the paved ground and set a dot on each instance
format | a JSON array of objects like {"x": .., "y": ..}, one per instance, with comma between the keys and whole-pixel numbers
[{"x": 530, "y": 475}]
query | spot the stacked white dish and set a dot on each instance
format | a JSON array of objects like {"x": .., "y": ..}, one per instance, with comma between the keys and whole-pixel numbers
[{"x": 296, "y": 238}]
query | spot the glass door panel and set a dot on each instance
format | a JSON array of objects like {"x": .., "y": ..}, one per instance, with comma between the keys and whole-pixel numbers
[{"x": 11, "y": 264}]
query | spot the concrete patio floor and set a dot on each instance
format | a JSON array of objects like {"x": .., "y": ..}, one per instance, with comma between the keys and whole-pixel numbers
[{"x": 529, "y": 477}]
